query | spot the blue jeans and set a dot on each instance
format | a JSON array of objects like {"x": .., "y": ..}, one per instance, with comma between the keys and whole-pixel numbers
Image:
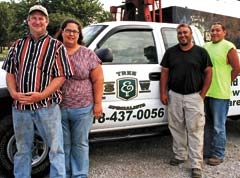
[
  {"x": 215, "y": 130},
  {"x": 76, "y": 127},
  {"x": 48, "y": 124}
]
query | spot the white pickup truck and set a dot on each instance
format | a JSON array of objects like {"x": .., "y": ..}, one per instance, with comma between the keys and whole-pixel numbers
[{"x": 131, "y": 53}]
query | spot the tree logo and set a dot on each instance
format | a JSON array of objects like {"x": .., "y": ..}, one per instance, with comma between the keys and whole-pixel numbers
[{"x": 127, "y": 88}]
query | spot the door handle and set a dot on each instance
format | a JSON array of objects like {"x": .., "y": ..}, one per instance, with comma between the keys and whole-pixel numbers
[{"x": 154, "y": 76}]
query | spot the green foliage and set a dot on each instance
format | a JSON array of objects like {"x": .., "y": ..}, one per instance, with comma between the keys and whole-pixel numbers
[
  {"x": 56, "y": 20},
  {"x": 3, "y": 53},
  {"x": 13, "y": 15},
  {"x": 5, "y": 18}
]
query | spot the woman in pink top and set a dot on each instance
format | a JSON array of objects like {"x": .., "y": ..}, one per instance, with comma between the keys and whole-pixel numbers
[{"x": 82, "y": 99}]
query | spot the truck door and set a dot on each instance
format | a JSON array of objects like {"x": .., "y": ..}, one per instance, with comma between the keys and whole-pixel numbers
[{"x": 131, "y": 80}]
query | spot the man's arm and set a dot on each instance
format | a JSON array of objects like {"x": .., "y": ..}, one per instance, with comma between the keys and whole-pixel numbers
[
  {"x": 207, "y": 81},
  {"x": 32, "y": 97},
  {"x": 163, "y": 85},
  {"x": 55, "y": 84},
  {"x": 233, "y": 60},
  {"x": 11, "y": 84}
]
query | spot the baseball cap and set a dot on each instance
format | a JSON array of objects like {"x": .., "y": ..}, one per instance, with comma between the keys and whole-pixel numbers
[{"x": 38, "y": 8}]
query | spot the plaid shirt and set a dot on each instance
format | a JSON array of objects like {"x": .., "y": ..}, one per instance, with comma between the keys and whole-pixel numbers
[{"x": 35, "y": 64}]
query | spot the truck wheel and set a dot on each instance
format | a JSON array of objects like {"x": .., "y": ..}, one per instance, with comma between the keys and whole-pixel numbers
[{"x": 40, "y": 162}]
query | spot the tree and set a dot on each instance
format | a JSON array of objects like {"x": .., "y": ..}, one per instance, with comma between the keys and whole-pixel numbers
[
  {"x": 5, "y": 19},
  {"x": 86, "y": 11}
]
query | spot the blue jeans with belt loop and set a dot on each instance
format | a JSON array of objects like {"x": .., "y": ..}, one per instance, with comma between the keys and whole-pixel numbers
[
  {"x": 77, "y": 123},
  {"x": 48, "y": 123},
  {"x": 215, "y": 130}
]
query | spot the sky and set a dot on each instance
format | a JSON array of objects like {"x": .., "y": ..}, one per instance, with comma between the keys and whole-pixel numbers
[
  {"x": 108, "y": 3},
  {"x": 226, "y": 7}
]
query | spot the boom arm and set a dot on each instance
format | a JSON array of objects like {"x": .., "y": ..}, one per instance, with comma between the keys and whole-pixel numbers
[{"x": 138, "y": 10}]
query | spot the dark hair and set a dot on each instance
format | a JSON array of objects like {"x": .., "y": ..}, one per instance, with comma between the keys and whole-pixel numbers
[
  {"x": 63, "y": 26},
  {"x": 184, "y": 25},
  {"x": 219, "y": 23}
]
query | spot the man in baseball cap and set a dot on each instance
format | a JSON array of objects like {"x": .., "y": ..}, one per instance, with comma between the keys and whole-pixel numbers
[
  {"x": 34, "y": 83},
  {"x": 38, "y": 8}
]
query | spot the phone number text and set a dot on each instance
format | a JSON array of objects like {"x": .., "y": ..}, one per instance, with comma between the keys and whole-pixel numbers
[{"x": 120, "y": 116}]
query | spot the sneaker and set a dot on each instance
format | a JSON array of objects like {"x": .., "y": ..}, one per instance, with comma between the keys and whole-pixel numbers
[
  {"x": 176, "y": 162},
  {"x": 214, "y": 161},
  {"x": 196, "y": 173}
]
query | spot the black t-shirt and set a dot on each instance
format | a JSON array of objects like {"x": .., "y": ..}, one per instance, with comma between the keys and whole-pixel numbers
[{"x": 186, "y": 68}]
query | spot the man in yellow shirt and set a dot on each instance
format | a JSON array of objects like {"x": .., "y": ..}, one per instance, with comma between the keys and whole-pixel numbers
[{"x": 226, "y": 67}]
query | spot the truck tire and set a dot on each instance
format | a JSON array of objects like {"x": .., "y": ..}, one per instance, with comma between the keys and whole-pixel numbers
[{"x": 40, "y": 162}]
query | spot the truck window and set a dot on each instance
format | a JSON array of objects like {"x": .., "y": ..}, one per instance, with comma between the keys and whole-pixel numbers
[
  {"x": 169, "y": 37},
  {"x": 91, "y": 32},
  {"x": 132, "y": 47}
]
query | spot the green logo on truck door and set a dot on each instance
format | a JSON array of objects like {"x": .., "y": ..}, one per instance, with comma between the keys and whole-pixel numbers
[{"x": 127, "y": 88}]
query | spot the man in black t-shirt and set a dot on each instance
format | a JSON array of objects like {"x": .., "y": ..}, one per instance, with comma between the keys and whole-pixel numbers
[{"x": 185, "y": 78}]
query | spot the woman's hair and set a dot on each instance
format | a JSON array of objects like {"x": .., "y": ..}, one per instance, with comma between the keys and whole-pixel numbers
[{"x": 63, "y": 26}]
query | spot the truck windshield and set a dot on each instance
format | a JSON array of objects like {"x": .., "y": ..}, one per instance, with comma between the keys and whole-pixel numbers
[{"x": 91, "y": 32}]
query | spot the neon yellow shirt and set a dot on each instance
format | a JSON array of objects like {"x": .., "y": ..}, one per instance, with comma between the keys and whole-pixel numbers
[{"x": 220, "y": 87}]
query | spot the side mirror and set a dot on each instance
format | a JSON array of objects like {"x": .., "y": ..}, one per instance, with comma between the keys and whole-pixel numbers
[{"x": 105, "y": 54}]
